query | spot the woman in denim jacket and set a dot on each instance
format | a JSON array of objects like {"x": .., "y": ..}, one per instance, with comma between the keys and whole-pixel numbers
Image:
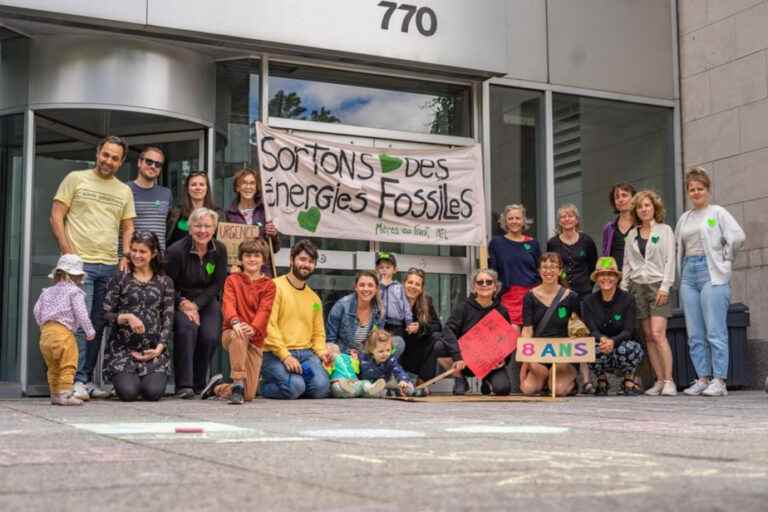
[{"x": 354, "y": 316}]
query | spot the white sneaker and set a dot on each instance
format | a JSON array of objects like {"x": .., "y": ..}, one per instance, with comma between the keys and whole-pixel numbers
[
  {"x": 716, "y": 388},
  {"x": 669, "y": 389},
  {"x": 376, "y": 389},
  {"x": 697, "y": 387},
  {"x": 65, "y": 399},
  {"x": 81, "y": 392},
  {"x": 655, "y": 390},
  {"x": 96, "y": 392}
]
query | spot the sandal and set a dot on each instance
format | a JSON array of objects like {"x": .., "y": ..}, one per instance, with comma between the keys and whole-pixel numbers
[
  {"x": 633, "y": 390},
  {"x": 602, "y": 386}
]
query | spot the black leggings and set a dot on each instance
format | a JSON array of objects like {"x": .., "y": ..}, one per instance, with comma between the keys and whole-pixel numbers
[
  {"x": 129, "y": 386},
  {"x": 194, "y": 346}
]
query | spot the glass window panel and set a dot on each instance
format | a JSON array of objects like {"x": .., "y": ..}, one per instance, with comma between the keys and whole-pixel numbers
[
  {"x": 334, "y": 96},
  {"x": 517, "y": 155},
  {"x": 598, "y": 143},
  {"x": 11, "y": 182},
  {"x": 237, "y": 109}
]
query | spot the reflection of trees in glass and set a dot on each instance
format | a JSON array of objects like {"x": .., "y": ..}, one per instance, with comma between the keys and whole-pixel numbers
[
  {"x": 323, "y": 116},
  {"x": 289, "y": 106},
  {"x": 445, "y": 118}
]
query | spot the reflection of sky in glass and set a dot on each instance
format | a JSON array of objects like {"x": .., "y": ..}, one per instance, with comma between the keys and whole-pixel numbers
[{"x": 361, "y": 106}]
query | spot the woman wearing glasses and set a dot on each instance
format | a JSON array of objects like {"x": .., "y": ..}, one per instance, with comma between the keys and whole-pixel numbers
[
  {"x": 197, "y": 195},
  {"x": 139, "y": 306},
  {"x": 198, "y": 266},
  {"x": 483, "y": 299},
  {"x": 419, "y": 357},
  {"x": 546, "y": 311},
  {"x": 248, "y": 208}
]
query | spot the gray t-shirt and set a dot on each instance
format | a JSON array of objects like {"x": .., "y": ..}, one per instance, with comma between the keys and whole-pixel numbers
[
  {"x": 690, "y": 233},
  {"x": 152, "y": 206}
]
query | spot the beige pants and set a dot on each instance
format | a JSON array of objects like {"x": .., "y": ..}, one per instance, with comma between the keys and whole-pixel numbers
[
  {"x": 59, "y": 349},
  {"x": 245, "y": 360}
]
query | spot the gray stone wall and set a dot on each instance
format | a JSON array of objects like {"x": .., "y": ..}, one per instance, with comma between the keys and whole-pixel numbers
[{"x": 724, "y": 95}]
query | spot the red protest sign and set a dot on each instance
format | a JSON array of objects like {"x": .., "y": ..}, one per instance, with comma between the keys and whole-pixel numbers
[{"x": 488, "y": 343}]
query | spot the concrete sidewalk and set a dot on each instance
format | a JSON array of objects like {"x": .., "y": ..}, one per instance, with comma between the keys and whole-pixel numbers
[{"x": 582, "y": 453}]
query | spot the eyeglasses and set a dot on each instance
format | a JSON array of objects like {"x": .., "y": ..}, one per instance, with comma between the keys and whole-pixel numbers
[
  {"x": 485, "y": 282},
  {"x": 417, "y": 271},
  {"x": 153, "y": 163},
  {"x": 144, "y": 236},
  {"x": 198, "y": 173}
]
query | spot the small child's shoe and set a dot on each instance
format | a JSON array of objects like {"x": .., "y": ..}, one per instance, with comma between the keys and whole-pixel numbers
[
  {"x": 375, "y": 389},
  {"x": 237, "y": 398},
  {"x": 66, "y": 398}
]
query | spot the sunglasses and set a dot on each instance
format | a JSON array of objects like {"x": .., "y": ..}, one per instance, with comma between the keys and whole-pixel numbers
[
  {"x": 153, "y": 163},
  {"x": 144, "y": 236},
  {"x": 417, "y": 271},
  {"x": 485, "y": 282}
]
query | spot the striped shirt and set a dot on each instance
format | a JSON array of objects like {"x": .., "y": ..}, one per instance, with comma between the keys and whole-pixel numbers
[
  {"x": 361, "y": 336},
  {"x": 152, "y": 206}
]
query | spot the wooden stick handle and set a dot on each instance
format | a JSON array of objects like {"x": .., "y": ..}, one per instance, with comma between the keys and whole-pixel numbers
[
  {"x": 272, "y": 256},
  {"x": 554, "y": 379},
  {"x": 440, "y": 377}
]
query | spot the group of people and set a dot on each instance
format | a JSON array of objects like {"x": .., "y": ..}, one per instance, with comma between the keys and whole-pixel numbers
[{"x": 171, "y": 299}]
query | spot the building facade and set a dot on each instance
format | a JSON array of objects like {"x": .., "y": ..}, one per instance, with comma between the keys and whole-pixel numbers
[
  {"x": 566, "y": 97},
  {"x": 724, "y": 86}
]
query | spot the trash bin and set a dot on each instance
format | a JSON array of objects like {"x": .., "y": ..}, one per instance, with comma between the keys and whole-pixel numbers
[{"x": 683, "y": 373}]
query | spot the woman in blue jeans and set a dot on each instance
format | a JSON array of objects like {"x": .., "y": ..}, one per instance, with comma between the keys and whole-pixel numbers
[{"x": 707, "y": 237}]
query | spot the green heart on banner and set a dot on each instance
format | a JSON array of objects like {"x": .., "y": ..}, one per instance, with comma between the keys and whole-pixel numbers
[
  {"x": 655, "y": 239},
  {"x": 183, "y": 224},
  {"x": 389, "y": 163},
  {"x": 617, "y": 317},
  {"x": 309, "y": 219},
  {"x": 711, "y": 223},
  {"x": 562, "y": 312},
  {"x": 210, "y": 268}
]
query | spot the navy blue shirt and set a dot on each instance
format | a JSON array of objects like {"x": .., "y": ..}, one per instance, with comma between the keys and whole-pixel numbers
[{"x": 517, "y": 263}]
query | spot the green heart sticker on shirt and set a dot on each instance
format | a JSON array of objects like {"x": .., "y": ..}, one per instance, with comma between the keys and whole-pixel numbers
[
  {"x": 711, "y": 223},
  {"x": 183, "y": 224},
  {"x": 316, "y": 307},
  {"x": 617, "y": 317},
  {"x": 582, "y": 253},
  {"x": 655, "y": 239},
  {"x": 527, "y": 247},
  {"x": 210, "y": 268},
  {"x": 562, "y": 312}
]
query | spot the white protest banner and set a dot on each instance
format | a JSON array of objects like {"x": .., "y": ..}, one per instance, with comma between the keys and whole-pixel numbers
[{"x": 319, "y": 188}]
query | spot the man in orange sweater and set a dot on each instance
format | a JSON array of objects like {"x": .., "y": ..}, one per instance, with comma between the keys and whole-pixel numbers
[{"x": 246, "y": 306}]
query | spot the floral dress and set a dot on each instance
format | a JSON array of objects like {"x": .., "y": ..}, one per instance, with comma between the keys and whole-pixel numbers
[{"x": 153, "y": 303}]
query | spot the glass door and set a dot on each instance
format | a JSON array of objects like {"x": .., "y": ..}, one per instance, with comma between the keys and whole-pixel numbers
[{"x": 65, "y": 140}]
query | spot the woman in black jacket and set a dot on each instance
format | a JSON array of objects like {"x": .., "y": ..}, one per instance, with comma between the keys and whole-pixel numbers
[
  {"x": 197, "y": 264},
  {"x": 483, "y": 300},
  {"x": 419, "y": 356}
]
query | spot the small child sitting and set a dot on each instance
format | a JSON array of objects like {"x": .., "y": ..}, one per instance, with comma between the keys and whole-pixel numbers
[
  {"x": 379, "y": 363},
  {"x": 343, "y": 376},
  {"x": 60, "y": 311}
]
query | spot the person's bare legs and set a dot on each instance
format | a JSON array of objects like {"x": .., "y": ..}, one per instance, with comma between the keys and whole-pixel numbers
[{"x": 533, "y": 377}]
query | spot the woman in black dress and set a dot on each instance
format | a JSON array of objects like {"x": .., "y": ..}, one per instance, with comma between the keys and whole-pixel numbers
[
  {"x": 139, "y": 306},
  {"x": 553, "y": 289},
  {"x": 419, "y": 356}
]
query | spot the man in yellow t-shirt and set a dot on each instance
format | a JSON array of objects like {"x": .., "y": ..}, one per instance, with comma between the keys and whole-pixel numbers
[
  {"x": 295, "y": 345},
  {"x": 89, "y": 210}
]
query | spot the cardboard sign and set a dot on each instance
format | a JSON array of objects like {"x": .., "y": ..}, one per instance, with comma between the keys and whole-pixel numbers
[
  {"x": 556, "y": 350},
  {"x": 325, "y": 189},
  {"x": 488, "y": 343},
  {"x": 231, "y": 235}
]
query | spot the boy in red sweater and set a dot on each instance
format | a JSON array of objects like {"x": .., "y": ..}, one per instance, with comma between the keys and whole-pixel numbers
[{"x": 246, "y": 306}]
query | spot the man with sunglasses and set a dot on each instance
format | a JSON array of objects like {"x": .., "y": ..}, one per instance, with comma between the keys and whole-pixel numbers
[{"x": 153, "y": 201}]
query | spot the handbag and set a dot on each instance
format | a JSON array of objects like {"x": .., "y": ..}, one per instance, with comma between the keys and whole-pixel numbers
[{"x": 577, "y": 328}]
